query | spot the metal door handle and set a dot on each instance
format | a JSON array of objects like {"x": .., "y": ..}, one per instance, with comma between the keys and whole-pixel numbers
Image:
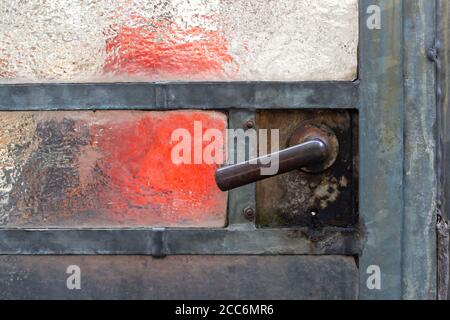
[{"x": 313, "y": 148}]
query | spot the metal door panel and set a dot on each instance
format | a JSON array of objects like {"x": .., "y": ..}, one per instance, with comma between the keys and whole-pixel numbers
[{"x": 180, "y": 277}]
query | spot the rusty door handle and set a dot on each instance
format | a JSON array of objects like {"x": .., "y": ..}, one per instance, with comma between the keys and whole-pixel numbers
[{"x": 313, "y": 149}]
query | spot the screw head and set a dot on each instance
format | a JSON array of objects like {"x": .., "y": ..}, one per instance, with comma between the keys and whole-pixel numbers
[
  {"x": 249, "y": 213},
  {"x": 250, "y": 124}
]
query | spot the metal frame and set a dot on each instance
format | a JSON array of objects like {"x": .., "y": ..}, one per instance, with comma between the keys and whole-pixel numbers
[
  {"x": 443, "y": 86},
  {"x": 179, "y": 95},
  {"x": 398, "y": 180},
  {"x": 161, "y": 242},
  {"x": 395, "y": 96},
  {"x": 421, "y": 187},
  {"x": 239, "y": 237}
]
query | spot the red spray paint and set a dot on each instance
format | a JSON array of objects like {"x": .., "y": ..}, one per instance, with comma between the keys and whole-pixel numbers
[
  {"x": 142, "y": 185},
  {"x": 162, "y": 49}
]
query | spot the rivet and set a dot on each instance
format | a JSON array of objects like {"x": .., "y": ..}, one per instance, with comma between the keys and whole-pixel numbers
[
  {"x": 250, "y": 124},
  {"x": 249, "y": 213}
]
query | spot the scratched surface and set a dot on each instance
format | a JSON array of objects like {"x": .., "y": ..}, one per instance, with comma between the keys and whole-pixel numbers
[
  {"x": 180, "y": 277},
  {"x": 104, "y": 169},
  {"x": 291, "y": 198},
  {"x": 106, "y": 40}
]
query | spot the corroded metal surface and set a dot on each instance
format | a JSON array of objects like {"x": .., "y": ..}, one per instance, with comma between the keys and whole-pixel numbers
[
  {"x": 420, "y": 186},
  {"x": 104, "y": 169},
  {"x": 442, "y": 230},
  {"x": 300, "y": 198},
  {"x": 181, "y": 277},
  {"x": 108, "y": 40},
  {"x": 241, "y": 200},
  {"x": 238, "y": 239},
  {"x": 381, "y": 116},
  {"x": 179, "y": 95},
  {"x": 309, "y": 131},
  {"x": 444, "y": 123}
]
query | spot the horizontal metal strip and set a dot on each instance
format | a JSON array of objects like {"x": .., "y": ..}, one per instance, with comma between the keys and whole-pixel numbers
[
  {"x": 161, "y": 242},
  {"x": 201, "y": 95}
]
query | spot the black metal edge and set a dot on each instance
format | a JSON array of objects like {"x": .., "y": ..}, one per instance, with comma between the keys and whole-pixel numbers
[
  {"x": 161, "y": 242},
  {"x": 441, "y": 58},
  {"x": 178, "y": 95}
]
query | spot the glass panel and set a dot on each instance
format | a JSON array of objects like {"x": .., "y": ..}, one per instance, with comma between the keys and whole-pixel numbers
[
  {"x": 147, "y": 40},
  {"x": 108, "y": 169}
]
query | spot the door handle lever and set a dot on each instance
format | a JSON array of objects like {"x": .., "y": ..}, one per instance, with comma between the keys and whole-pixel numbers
[{"x": 312, "y": 148}]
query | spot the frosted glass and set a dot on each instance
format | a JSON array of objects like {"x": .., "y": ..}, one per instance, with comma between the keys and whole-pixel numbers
[{"x": 147, "y": 40}]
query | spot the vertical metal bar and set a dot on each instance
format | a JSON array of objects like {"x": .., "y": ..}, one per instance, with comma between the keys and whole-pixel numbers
[
  {"x": 158, "y": 242},
  {"x": 241, "y": 201},
  {"x": 381, "y": 148},
  {"x": 443, "y": 161},
  {"x": 444, "y": 55},
  {"x": 442, "y": 230},
  {"x": 420, "y": 180}
]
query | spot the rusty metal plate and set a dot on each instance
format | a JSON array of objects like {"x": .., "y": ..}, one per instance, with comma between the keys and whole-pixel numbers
[
  {"x": 179, "y": 277},
  {"x": 105, "y": 169},
  {"x": 301, "y": 198}
]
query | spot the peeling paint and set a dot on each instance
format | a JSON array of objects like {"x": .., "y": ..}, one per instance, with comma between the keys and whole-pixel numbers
[{"x": 291, "y": 198}]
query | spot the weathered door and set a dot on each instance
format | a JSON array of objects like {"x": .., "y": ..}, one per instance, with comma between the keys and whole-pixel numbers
[{"x": 97, "y": 98}]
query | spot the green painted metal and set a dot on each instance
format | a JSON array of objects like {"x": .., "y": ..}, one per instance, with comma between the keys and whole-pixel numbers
[
  {"x": 381, "y": 148},
  {"x": 182, "y": 277},
  {"x": 398, "y": 184},
  {"x": 420, "y": 171},
  {"x": 443, "y": 145},
  {"x": 178, "y": 95},
  {"x": 242, "y": 198}
]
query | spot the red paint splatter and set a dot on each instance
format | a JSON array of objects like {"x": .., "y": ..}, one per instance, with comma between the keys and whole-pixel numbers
[
  {"x": 162, "y": 49},
  {"x": 142, "y": 186}
]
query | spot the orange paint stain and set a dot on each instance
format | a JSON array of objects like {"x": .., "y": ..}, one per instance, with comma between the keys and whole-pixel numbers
[
  {"x": 162, "y": 49},
  {"x": 141, "y": 183}
]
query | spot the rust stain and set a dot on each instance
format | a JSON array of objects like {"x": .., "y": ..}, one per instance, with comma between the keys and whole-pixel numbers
[
  {"x": 327, "y": 191},
  {"x": 290, "y": 199}
]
